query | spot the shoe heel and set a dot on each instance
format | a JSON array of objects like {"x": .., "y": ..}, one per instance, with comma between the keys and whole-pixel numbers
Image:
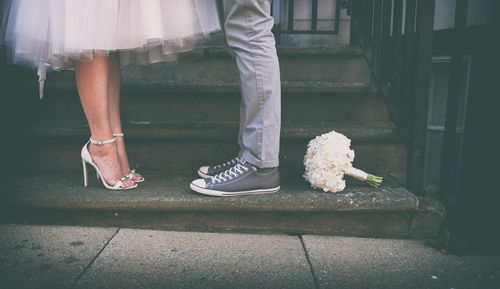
[
  {"x": 87, "y": 159},
  {"x": 85, "y": 178}
]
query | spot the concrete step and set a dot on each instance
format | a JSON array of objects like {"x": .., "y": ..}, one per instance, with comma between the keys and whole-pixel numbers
[
  {"x": 180, "y": 147},
  {"x": 299, "y": 102},
  {"x": 166, "y": 202},
  {"x": 216, "y": 68}
]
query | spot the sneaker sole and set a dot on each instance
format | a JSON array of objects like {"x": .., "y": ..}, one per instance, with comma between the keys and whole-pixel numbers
[
  {"x": 202, "y": 175},
  {"x": 233, "y": 194}
]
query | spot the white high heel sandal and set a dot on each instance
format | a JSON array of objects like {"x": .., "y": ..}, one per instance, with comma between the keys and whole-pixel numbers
[
  {"x": 132, "y": 172},
  {"x": 87, "y": 159}
]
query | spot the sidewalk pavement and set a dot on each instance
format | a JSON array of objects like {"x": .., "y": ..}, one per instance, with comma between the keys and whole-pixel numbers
[{"x": 52, "y": 257}]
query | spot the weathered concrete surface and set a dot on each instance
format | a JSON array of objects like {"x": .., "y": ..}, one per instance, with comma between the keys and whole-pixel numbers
[
  {"x": 219, "y": 130},
  {"x": 181, "y": 147},
  {"x": 153, "y": 259},
  {"x": 217, "y": 68},
  {"x": 78, "y": 257},
  {"x": 207, "y": 106},
  {"x": 184, "y": 156},
  {"x": 47, "y": 257},
  {"x": 166, "y": 202},
  {"x": 172, "y": 193},
  {"x": 429, "y": 216},
  {"x": 373, "y": 263}
]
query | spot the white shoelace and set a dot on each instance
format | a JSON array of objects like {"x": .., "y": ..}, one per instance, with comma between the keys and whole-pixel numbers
[
  {"x": 229, "y": 174},
  {"x": 228, "y": 163}
]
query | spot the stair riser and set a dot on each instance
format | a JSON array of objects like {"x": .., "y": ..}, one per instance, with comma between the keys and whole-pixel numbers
[
  {"x": 225, "y": 107},
  {"x": 221, "y": 70},
  {"x": 368, "y": 224},
  {"x": 184, "y": 157}
]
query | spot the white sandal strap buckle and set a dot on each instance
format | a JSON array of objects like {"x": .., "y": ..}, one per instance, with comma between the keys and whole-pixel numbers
[
  {"x": 120, "y": 185},
  {"x": 131, "y": 174},
  {"x": 102, "y": 142}
]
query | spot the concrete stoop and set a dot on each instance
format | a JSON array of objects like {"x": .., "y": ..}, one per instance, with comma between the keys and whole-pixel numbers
[
  {"x": 177, "y": 118},
  {"x": 166, "y": 202}
]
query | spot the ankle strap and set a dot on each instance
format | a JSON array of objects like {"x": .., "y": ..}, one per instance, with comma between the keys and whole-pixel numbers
[
  {"x": 118, "y": 134},
  {"x": 101, "y": 142}
]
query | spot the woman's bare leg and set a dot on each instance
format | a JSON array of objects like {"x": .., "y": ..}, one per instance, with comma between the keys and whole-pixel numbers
[
  {"x": 92, "y": 82},
  {"x": 114, "y": 112}
]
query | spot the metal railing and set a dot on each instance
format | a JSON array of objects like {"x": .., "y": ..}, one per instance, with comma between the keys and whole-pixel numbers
[
  {"x": 284, "y": 12},
  {"x": 399, "y": 41},
  {"x": 398, "y": 45}
]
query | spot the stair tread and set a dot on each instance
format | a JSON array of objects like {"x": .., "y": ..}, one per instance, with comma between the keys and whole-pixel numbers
[
  {"x": 172, "y": 193},
  {"x": 379, "y": 131},
  {"x": 64, "y": 82},
  {"x": 340, "y": 50},
  {"x": 338, "y": 89}
]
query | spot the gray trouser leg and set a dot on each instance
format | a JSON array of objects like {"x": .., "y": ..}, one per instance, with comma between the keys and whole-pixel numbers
[{"x": 248, "y": 32}]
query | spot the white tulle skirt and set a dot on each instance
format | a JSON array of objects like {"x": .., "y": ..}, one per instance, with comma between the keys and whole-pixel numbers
[{"x": 56, "y": 33}]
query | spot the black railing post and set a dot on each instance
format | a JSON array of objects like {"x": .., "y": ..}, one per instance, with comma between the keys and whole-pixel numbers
[
  {"x": 424, "y": 33},
  {"x": 377, "y": 37},
  {"x": 386, "y": 60},
  {"x": 367, "y": 29},
  {"x": 314, "y": 15},
  {"x": 291, "y": 14},
  {"x": 450, "y": 159},
  {"x": 407, "y": 96},
  {"x": 353, "y": 38},
  {"x": 395, "y": 89}
]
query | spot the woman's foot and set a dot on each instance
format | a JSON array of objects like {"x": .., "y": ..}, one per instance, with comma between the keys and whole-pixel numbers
[
  {"x": 123, "y": 157},
  {"x": 106, "y": 159}
]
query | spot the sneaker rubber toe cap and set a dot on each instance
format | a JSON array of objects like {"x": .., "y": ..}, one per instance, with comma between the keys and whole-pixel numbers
[
  {"x": 200, "y": 183},
  {"x": 203, "y": 172}
]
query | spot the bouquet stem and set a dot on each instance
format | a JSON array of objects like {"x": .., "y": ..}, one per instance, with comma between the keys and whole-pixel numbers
[
  {"x": 374, "y": 181},
  {"x": 370, "y": 179}
]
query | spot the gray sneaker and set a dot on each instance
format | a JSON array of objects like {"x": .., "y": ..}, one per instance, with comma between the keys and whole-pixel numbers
[
  {"x": 241, "y": 179},
  {"x": 209, "y": 171}
]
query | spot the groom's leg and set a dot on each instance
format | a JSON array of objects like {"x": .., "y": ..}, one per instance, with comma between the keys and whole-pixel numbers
[
  {"x": 248, "y": 27},
  {"x": 248, "y": 32}
]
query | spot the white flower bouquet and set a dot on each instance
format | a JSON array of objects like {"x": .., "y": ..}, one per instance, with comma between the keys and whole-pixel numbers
[{"x": 328, "y": 158}]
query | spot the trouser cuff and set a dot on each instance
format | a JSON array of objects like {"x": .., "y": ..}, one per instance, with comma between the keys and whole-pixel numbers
[{"x": 261, "y": 164}]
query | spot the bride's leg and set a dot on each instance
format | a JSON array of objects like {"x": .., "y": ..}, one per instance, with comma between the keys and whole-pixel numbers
[
  {"x": 114, "y": 112},
  {"x": 92, "y": 83}
]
